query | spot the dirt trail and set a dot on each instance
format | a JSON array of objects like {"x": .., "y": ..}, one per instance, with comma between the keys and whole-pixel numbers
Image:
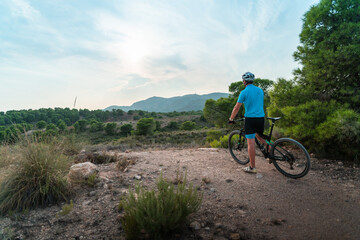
[
  {"x": 325, "y": 204},
  {"x": 267, "y": 204}
]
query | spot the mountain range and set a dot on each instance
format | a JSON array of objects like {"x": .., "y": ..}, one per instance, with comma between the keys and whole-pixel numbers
[{"x": 191, "y": 102}]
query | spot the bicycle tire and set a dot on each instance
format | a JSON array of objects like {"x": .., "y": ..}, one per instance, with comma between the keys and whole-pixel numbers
[
  {"x": 238, "y": 147},
  {"x": 290, "y": 158}
]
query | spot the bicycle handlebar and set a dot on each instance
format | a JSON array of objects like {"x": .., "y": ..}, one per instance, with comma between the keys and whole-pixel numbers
[{"x": 239, "y": 120}]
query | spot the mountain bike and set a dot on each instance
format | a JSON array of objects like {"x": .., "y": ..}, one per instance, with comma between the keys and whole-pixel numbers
[{"x": 288, "y": 155}]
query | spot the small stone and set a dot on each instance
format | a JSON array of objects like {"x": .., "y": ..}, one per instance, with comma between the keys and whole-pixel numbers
[
  {"x": 206, "y": 180},
  {"x": 258, "y": 176},
  {"x": 242, "y": 213},
  {"x": 207, "y": 228},
  {"x": 340, "y": 163},
  {"x": 138, "y": 177},
  {"x": 235, "y": 236},
  {"x": 218, "y": 225},
  {"x": 195, "y": 225},
  {"x": 274, "y": 221},
  {"x": 92, "y": 193},
  {"x": 229, "y": 180},
  {"x": 212, "y": 189}
]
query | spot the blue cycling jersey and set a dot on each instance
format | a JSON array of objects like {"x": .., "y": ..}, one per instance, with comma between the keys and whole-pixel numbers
[{"x": 253, "y": 99}]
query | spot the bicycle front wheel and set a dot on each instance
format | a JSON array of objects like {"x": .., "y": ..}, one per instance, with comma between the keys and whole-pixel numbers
[
  {"x": 290, "y": 158},
  {"x": 238, "y": 147}
]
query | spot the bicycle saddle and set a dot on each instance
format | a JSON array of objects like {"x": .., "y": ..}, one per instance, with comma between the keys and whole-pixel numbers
[{"x": 274, "y": 119}]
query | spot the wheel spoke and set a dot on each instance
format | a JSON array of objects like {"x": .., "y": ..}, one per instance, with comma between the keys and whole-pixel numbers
[
  {"x": 238, "y": 147},
  {"x": 291, "y": 158}
]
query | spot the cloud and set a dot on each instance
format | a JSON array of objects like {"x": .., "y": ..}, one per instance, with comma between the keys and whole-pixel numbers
[
  {"x": 21, "y": 8},
  {"x": 166, "y": 66},
  {"x": 130, "y": 82}
]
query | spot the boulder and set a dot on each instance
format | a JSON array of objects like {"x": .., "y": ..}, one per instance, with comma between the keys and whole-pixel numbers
[{"x": 81, "y": 171}]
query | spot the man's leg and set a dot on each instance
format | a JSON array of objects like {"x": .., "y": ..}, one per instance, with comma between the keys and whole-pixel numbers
[{"x": 251, "y": 151}]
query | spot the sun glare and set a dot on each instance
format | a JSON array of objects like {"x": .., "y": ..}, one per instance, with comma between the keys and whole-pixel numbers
[{"x": 137, "y": 46}]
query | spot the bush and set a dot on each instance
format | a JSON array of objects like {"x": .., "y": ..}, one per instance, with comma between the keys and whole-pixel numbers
[
  {"x": 339, "y": 135},
  {"x": 212, "y": 135},
  {"x": 126, "y": 129},
  {"x": 145, "y": 126},
  {"x": 222, "y": 143},
  {"x": 172, "y": 125},
  {"x": 300, "y": 122},
  {"x": 41, "y": 124},
  {"x": 61, "y": 125},
  {"x": 156, "y": 214},
  {"x": 80, "y": 126},
  {"x": 37, "y": 180},
  {"x": 110, "y": 128},
  {"x": 96, "y": 126},
  {"x": 188, "y": 125}
]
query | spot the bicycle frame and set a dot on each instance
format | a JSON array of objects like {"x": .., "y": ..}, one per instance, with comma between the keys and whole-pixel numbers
[{"x": 267, "y": 138}]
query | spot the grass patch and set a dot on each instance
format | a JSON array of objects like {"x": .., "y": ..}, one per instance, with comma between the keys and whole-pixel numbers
[
  {"x": 66, "y": 209},
  {"x": 37, "y": 178},
  {"x": 156, "y": 214},
  {"x": 92, "y": 180}
]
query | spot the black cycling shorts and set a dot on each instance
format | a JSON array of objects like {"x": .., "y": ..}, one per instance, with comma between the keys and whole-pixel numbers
[{"x": 253, "y": 125}]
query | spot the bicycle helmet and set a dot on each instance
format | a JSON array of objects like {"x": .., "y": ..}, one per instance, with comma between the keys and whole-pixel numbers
[{"x": 248, "y": 77}]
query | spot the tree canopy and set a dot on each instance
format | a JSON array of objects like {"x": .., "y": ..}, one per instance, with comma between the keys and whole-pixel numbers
[
  {"x": 330, "y": 52},
  {"x": 328, "y": 83}
]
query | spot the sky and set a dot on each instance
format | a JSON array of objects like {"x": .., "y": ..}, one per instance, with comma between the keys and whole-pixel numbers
[{"x": 117, "y": 52}]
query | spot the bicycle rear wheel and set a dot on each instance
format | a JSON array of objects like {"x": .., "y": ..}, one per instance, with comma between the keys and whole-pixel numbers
[
  {"x": 238, "y": 147},
  {"x": 290, "y": 158}
]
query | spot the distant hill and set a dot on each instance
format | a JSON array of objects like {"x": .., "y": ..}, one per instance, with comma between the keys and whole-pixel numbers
[{"x": 191, "y": 102}]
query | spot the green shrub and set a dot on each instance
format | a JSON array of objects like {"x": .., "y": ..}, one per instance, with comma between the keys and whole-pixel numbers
[
  {"x": 158, "y": 213},
  {"x": 212, "y": 135},
  {"x": 110, "y": 128},
  {"x": 188, "y": 125},
  {"x": 92, "y": 180},
  {"x": 41, "y": 124},
  {"x": 50, "y": 133},
  {"x": 51, "y": 126},
  {"x": 300, "y": 122},
  {"x": 37, "y": 180},
  {"x": 339, "y": 135},
  {"x": 172, "y": 125},
  {"x": 145, "y": 126},
  {"x": 66, "y": 209},
  {"x": 222, "y": 143},
  {"x": 126, "y": 129},
  {"x": 80, "y": 126},
  {"x": 96, "y": 126},
  {"x": 61, "y": 125}
]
